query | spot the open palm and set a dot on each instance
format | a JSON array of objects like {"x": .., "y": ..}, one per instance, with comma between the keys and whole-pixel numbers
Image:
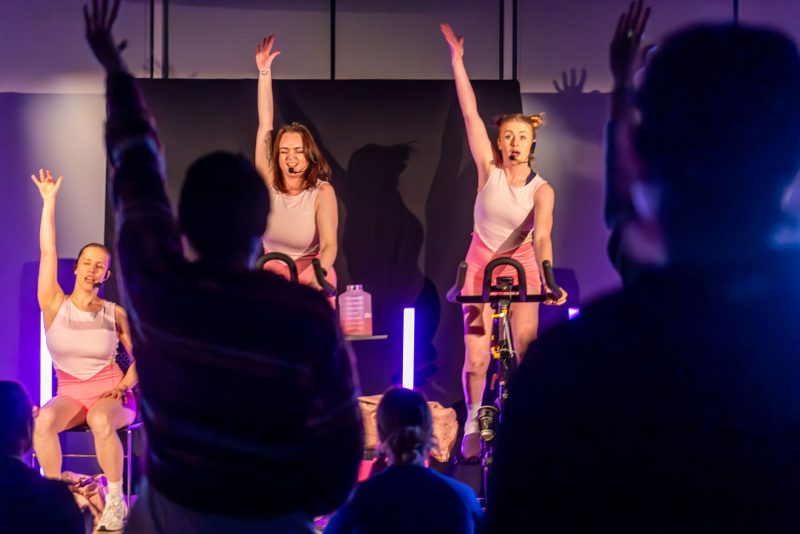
[
  {"x": 456, "y": 43},
  {"x": 48, "y": 187},
  {"x": 264, "y": 53}
]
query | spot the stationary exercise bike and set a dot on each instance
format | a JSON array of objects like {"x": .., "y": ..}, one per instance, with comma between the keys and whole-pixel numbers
[{"x": 499, "y": 295}]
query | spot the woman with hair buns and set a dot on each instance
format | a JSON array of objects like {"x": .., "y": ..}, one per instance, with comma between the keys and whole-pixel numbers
[
  {"x": 407, "y": 496},
  {"x": 513, "y": 217},
  {"x": 303, "y": 210}
]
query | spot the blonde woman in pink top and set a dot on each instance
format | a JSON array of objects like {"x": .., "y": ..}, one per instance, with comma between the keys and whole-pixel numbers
[
  {"x": 513, "y": 217},
  {"x": 304, "y": 214},
  {"x": 82, "y": 333}
]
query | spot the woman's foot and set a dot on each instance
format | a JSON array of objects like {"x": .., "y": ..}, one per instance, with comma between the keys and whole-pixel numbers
[
  {"x": 114, "y": 515},
  {"x": 471, "y": 447}
]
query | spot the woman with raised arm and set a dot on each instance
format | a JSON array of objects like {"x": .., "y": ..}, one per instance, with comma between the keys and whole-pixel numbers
[
  {"x": 513, "y": 217},
  {"x": 83, "y": 332},
  {"x": 304, "y": 214}
]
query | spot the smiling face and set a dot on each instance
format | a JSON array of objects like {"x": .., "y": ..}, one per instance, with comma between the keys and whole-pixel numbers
[
  {"x": 515, "y": 138},
  {"x": 91, "y": 267},
  {"x": 291, "y": 155}
]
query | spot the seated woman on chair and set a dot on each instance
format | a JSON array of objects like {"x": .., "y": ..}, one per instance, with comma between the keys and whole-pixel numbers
[{"x": 82, "y": 332}]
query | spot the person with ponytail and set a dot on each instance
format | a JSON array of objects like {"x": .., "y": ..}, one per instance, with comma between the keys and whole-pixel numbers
[
  {"x": 304, "y": 212},
  {"x": 83, "y": 332},
  {"x": 513, "y": 217},
  {"x": 407, "y": 496}
]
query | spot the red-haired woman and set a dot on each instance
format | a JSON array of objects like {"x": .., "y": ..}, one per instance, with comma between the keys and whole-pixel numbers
[
  {"x": 303, "y": 209},
  {"x": 513, "y": 217}
]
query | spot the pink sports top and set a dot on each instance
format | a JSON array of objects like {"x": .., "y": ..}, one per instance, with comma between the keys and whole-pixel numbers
[
  {"x": 292, "y": 223},
  {"x": 82, "y": 343},
  {"x": 503, "y": 214}
]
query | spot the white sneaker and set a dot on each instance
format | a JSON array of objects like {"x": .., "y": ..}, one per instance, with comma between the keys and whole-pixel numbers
[{"x": 114, "y": 515}]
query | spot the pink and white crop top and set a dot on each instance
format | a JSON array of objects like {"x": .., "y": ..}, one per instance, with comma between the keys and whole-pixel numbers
[
  {"x": 82, "y": 343},
  {"x": 292, "y": 223},
  {"x": 503, "y": 214}
]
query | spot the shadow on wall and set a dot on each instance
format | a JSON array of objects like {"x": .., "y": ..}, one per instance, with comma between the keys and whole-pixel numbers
[
  {"x": 570, "y": 156},
  {"x": 405, "y": 182},
  {"x": 382, "y": 242}
]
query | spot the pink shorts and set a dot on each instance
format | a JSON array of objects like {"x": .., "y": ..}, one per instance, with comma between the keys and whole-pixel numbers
[
  {"x": 87, "y": 392},
  {"x": 305, "y": 271},
  {"x": 479, "y": 255}
]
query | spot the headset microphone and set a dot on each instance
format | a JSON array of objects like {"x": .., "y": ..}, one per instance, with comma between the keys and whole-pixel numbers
[{"x": 98, "y": 285}]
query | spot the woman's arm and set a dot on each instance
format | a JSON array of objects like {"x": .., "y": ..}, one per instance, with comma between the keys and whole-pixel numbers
[
  {"x": 327, "y": 217},
  {"x": 264, "y": 57},
  {"x": 131, "y": 378},
  {"x": 479, "y": 143},
  {"x": 49, "y": 293},
  {"x": 543, "y": 202}
]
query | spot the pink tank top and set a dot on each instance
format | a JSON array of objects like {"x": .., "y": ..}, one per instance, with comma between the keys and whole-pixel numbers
[
  {"x": 292, "y": 223},
  {"x": 83, "y": 343},
  {"x": 503, "y": 214}
]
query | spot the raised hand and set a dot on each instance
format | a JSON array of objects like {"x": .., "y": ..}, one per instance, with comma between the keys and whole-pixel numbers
[
  {"x": 264, "y": 53},
  {"x": 47, "y": 186},
  {"x": 572, "y": 85},
  {"x": 456, "y": 43},
  {"x": 99, "y": 21},
  {"x": 625, "y": 55}
]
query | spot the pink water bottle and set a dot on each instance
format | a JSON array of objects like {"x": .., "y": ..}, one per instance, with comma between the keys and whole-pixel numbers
[{"x": 355, "y": 311}]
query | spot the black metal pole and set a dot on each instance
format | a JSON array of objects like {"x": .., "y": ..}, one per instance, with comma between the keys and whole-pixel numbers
[
  {"x": 333, "y": 39},
  {"x": 502, "y": 36},
  {"x": 736, "y": 11},
  {"x": 165, "y": 42},
  {"x": 152, "y": 38},
  {"x": 514, "y": 40}
]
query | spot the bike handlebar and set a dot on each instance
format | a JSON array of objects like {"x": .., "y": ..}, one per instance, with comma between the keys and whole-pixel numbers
[
  {"x": 278, "y": 256},
  {"x": 328, "y": 289},
  {"x": 514, "y": 293}
]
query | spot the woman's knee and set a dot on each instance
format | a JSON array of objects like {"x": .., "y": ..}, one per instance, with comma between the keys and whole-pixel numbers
[
  {"x": 100, "y": 422},
  {"x": 476, "y": 362},
  {"x": 45, "y": 422}
]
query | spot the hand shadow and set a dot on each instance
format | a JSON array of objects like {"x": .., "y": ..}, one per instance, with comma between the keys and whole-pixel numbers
[{"x": 571, "y": 85}]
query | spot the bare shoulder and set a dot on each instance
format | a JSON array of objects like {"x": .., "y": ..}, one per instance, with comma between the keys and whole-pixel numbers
[
  {"x": 326, "y": 188},
  {"x": 326, "y": 191},
  {"x": 544, "y": 194},
  {"x": 120, "y": 317},
  {"x": 119, "y": 311}
]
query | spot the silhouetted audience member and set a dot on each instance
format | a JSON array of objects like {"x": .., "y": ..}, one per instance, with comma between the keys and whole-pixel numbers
[
  {"x": 674, "y": 406},
  {"x": 28, "y": 502},
  {"x": 407, "y": 496},
  {"x": 248, "y": 393}
]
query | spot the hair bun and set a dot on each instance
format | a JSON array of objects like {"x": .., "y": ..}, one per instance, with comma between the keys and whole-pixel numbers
[{"x": 537, "y": 120}]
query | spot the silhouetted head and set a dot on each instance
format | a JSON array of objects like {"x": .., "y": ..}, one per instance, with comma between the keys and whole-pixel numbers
[
  {"x": 92, "y": 267},
  {"x": 16, "y": 419},
  {"x": 405, "y": 426},
  {"x": 720, "y": 135},
  {"x": 516, "y": 138},
  {"x": 295, "y": 153},
  {"x": 223, "y": 207}
]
